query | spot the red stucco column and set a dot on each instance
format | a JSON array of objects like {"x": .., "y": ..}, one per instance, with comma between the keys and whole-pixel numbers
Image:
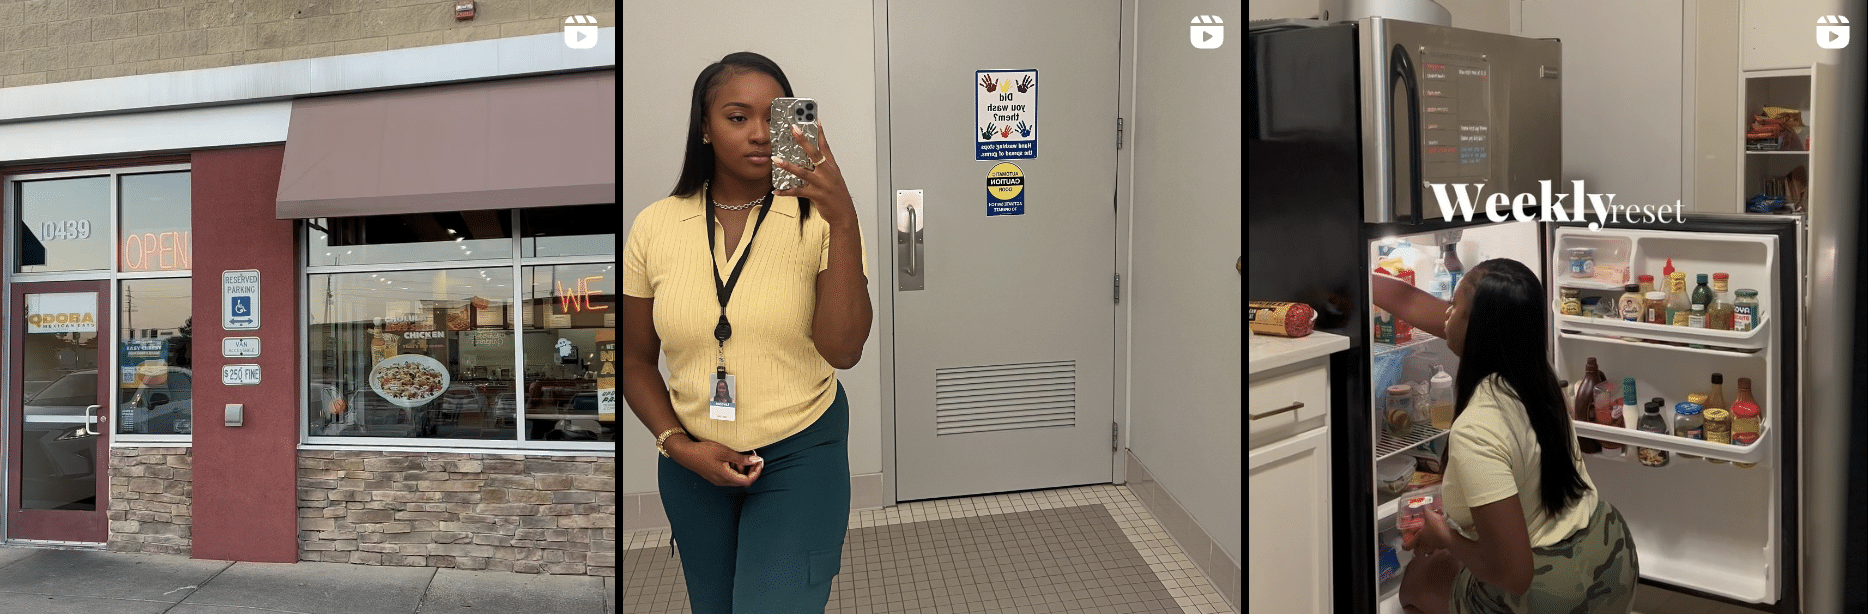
[{"x": 245, "y": 477}]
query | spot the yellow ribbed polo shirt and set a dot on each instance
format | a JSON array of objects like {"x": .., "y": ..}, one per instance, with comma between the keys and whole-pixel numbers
[{"x": 783, "y": 384}]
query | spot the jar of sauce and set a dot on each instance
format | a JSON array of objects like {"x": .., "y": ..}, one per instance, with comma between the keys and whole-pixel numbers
[
  {"x": 1745, "y": 312},
  {"x": 1687, "y": 421},
  {"x": 1572, "y": 304},
  {"x": 1654, "y": 310},
  {"x": 1718, "y": 428},
  {"x": 1582, "y": 262}
]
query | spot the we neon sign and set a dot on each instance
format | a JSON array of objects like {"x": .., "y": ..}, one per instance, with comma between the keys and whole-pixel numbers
[
  {"x": 158, "y": 251},
  {"x": 576, "y": 297}
]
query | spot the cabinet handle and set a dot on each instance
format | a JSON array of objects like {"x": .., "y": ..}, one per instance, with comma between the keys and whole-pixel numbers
[{"x": 1294, "y": 406}]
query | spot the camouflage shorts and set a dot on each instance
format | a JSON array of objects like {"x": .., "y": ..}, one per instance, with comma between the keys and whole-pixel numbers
[{"x": 1593, "y": 571}]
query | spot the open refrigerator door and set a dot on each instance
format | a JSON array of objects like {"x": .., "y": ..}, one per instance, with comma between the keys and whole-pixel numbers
[{"x": 1717, "y": 518}]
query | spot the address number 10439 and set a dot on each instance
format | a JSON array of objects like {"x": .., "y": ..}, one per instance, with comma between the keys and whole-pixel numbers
[{"x": 67, "y": 230}]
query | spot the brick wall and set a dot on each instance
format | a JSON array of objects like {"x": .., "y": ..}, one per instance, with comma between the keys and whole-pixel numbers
[
  {"x": 498, "y": 512},
  {"x": 151, "y": 500},
  {"x": 53, "y": 41}
]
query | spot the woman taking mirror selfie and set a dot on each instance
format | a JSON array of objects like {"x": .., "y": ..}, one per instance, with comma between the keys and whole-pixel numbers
[{"x": 756, "y": 297}]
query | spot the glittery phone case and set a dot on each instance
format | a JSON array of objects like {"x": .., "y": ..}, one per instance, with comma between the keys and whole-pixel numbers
[{"x": 788, "y": 112}]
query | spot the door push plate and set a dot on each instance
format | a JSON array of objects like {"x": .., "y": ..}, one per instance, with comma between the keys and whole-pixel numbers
[{"x": 910, "y": 240}]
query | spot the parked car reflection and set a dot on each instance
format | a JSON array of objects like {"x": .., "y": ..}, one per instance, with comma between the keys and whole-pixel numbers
[
  {"x": 368, "y": 414},
  {"x": 57, "y": 454}
]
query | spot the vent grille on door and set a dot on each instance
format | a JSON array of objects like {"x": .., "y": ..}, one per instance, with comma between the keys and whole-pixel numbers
[{"x": 982, "y": 399}]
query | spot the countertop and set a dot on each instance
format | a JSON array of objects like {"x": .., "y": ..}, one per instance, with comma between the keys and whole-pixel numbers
[{"x": 1269, "y": 352}]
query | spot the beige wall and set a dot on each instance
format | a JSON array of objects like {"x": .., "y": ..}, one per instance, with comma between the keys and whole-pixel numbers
[
  {"x": 53, "y": 41},
  {"x": 1484, "y": 15}
]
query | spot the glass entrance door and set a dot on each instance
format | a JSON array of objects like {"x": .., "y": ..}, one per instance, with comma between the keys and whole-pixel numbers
[{"x": 56, "y": 481}]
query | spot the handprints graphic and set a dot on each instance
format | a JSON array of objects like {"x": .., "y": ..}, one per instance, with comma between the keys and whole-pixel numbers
[
  {"x": 1023, "y": 131},
  {"x": 987, "y": 135},
  {"x": 1005, "y": 131},
  {"x": 987, "y": 82},
  {"x": 1026, "y": 84}
]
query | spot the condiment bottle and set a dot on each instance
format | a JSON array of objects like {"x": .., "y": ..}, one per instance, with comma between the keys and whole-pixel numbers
[
  {"x": 1719, "y": 313},
  {"x": 1702, "y": 294},
  {"x": 1582, "y": 406},
  {"x": 1572, "y": 304},
  {"x": 1687, "y": 421},
  {"x": 1630, "y": 304},
  {"x": 1716, "y": 396},
  {"x": 1647, "y": 284},
  {"x": 1745, "y": 312},
  {"x": 1697, "y": 317},
  {"x": 1677, "y": 304},
  {"x": 1609, "y": 409},
  {"x": 1718, "y": 429},
  {"x": 1652, "y": 422},
  {"x": 1746, "y": 424},
  {"x": 1654, "y": 311},
  {"x": 1745, "y": 404}
]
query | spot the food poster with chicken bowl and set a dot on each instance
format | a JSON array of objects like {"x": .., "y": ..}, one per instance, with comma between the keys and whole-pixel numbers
[
  {"x": 1006, "y": 122},
  {"x": 409, "y": 351}
]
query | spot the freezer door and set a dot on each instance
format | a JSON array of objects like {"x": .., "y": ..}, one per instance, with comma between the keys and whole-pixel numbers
[{"x": 1452, "y": 106}]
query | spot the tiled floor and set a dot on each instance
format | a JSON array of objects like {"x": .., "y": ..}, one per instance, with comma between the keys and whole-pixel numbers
[
  {"x": 1088, "y": 549},
  {"x": 1655, "y": 600}
]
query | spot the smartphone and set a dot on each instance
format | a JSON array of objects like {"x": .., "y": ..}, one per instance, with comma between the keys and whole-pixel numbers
[{"x": 788, "y": 112}]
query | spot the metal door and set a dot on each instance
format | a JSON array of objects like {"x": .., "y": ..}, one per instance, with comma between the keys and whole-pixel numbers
[
  {"x": 1005, "y": 331},
  {"x": 57, "y": 483}
]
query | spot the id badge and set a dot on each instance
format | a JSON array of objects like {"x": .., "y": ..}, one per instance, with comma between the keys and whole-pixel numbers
[{"x": 721, "y": 405}]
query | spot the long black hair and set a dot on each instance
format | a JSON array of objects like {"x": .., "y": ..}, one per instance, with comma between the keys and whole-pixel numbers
[
  {"x": 697, "y": 161},
  {"x": 1505, "y": 336}
]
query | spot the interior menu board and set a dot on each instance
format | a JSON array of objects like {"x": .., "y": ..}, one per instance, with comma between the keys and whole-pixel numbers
[{"x": 1455, "y": 115}]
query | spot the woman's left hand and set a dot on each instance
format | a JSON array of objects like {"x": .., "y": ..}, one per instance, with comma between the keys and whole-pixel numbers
[{"x": 823, "y": 185}]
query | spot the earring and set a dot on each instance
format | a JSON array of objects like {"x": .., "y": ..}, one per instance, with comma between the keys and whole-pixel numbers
[{"x": 704, "y": 140}]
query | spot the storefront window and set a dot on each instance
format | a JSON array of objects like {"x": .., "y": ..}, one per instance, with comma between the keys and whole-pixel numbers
[
  {"x": 64, "y": 225},
  {"x": 424, "y": 237},
  {"x": 585, "y": 230},
  {"x": 570, "y": 312},
  {"x": 156, "y": 234},
  {"x": 413, "y": 354},
  {"x": 155, "y": 375}
]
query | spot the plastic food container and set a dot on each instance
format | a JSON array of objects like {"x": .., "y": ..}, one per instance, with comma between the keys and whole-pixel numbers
[{"x": 1392, "y": 474}]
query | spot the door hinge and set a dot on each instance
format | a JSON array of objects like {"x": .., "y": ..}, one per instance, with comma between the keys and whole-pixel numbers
[
  {"x": 1118, "y": 133},
  {"x": 1113, "y": 445},
  {"x": 1118, "y": 288}
]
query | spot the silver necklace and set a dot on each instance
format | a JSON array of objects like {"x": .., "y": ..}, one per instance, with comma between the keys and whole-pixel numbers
[{"x": 705, "y": 190}]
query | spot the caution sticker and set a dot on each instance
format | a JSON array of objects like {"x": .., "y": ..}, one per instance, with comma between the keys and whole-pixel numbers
[{"x": 1005, "y": 190}]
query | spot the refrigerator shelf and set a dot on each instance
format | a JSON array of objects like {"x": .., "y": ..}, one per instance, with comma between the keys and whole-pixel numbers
[
  {"x": 1390, "y": 445},
  {"x": 1629, "y": 436},
  {"x": 1420, "y": 338},
  {"x": 1587, "y": 284},
  {"x": 1753, "y": 339}
]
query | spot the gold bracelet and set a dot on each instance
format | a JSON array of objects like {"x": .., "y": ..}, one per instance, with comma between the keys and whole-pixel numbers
[{"x": 662, "y": 438}]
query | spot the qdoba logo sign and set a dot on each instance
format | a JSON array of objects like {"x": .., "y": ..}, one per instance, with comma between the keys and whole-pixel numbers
[{"x": 1464, "y": 200}]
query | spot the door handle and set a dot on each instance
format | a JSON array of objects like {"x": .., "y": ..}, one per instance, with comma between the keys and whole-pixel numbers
[
  {"x": 914, "y": 247},
  {"x": 1294, "y": 406},
  {"x": 88, "y": 417}
]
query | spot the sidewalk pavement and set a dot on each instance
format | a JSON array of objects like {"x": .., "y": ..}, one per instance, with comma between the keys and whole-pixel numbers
[{"x": 47, "y": 581}]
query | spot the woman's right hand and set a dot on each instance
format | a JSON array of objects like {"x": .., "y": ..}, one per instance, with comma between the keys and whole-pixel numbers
[{"x": 717, "y": 464}]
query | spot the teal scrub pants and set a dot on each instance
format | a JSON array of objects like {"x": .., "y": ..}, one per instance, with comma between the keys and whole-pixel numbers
[{"x": 772, "y": 547}]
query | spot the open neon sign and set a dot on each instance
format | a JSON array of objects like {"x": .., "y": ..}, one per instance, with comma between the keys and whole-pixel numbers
[{"x": 158, "y": 251}]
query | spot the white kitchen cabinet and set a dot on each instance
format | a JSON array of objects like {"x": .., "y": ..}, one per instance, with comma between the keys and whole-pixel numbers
[{"x": 1288, "y": 516}]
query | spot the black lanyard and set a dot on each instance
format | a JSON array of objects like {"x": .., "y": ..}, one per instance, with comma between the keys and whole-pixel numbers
[{"x": 724, "y": 290}]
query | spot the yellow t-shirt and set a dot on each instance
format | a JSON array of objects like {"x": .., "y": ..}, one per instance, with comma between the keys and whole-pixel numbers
[
  {"x": 782, "y": 384},
  {"x": 1493, "y": 454}
]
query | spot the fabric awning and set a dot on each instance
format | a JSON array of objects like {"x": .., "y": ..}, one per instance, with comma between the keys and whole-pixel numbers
[{"x": 529, "y": 142}]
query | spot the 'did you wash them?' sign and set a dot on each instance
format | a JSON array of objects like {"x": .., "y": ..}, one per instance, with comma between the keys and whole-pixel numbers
[{"x": 1005, "y": 125}]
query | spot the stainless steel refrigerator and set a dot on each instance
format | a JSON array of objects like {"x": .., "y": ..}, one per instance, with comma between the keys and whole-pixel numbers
[{"x": 1351, "y": 123}]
